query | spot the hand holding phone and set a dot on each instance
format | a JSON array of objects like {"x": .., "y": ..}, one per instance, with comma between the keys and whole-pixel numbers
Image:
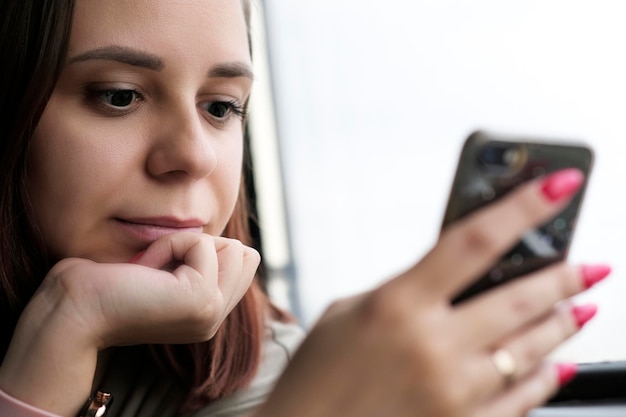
[{"x": 492, "y": 165}]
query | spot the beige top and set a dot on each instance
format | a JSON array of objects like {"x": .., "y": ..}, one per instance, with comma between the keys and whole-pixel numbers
[{"x": 140, "y": 389}]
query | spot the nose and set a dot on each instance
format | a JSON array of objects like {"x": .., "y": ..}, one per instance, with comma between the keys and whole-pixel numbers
[{"x": 181, "y": 145}]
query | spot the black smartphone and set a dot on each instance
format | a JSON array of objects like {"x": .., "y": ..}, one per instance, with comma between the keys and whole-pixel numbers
[{"x": 489, "y": 167}]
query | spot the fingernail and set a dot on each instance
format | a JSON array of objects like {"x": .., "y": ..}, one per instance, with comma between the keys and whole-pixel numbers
[
  {"x": 592, "y": 274},
  {"x": 582, "y": 314},
  {"x": 566, "y": 372},
  {"x": 135, "y": 258},
  {"x": 562, "y": 184}
]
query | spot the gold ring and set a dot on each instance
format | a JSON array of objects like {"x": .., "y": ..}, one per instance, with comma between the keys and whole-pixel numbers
[{"x": 505, "y": 364}]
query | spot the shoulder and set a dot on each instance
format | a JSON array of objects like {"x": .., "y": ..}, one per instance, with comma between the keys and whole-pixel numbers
[{"x": 280, "y": 342}]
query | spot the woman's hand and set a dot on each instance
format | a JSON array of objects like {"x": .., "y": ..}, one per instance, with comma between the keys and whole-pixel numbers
[
  {"x": 180, "y": 290},
  {"x": 404, "y": 350}
]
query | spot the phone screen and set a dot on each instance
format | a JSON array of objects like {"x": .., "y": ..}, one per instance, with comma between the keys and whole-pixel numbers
[{"x": 489, "y": 167}]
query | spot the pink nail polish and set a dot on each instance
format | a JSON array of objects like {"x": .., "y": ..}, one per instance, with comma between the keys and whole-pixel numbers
[
  {"x": 562, "y": 184},
  {"x": 592, "y": 274},
  {"x": 135, "y": 258},
  {"x": 566, "y": 372},
  {"x": 582, "y": 314}
]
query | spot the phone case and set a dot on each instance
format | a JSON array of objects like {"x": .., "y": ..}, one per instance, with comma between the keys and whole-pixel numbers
[{"x": 492, "y": 165}]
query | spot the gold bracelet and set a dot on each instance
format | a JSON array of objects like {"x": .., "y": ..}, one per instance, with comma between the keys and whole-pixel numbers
[{"x": 98, "y": 405}]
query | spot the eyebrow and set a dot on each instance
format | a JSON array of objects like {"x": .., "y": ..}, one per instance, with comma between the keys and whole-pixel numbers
[
  {"x": 231, "y": 70},
  {"x": 142, "y": 59},
  {"x": 121, "y": 54}
]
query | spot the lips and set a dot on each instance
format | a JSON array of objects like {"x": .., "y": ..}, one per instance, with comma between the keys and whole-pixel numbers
[{"x": 150, "y": 229}]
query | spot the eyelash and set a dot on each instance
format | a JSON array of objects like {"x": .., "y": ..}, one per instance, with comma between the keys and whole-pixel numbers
[
  {"x": 233, "y": 109},
  {"x": 97, "y": 97}
]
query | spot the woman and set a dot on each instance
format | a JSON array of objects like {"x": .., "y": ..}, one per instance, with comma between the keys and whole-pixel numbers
[{"x": 123, "y": 225}]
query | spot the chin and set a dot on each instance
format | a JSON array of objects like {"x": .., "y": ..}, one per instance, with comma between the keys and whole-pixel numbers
[{"x": 106, "y": 256}]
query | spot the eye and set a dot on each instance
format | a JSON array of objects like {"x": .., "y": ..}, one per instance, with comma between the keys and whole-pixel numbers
[
  {"x": 219, "y": 109},
  {"x": 223, "y": 110},
  {"x": 118, "y": 98},
  {"x": 112, "y": 101}
]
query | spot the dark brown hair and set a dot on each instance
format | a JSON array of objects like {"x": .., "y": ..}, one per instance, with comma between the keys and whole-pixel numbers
[{"x": 34, "y": 38}]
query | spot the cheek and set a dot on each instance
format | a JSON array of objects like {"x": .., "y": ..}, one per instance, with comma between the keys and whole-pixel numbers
[
  {"x": 229, "y": 180},
  {"x": 51, "y": 173},
  {"x": 63, "y": 166},
  {"x": 70, "y": 176},
  {"x": 50, "y": 184},
  {"x": 73, "y": 157}
]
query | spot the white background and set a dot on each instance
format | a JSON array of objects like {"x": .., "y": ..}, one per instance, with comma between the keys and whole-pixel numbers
[{"x": 374, "y": 99}]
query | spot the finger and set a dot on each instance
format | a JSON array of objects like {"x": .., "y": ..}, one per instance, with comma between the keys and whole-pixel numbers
[
  {"x": 528, "y": 348},
  {"x": 531, "y": 347},
  {"x": 193, "y": 250},
  {"x": 498, "y": 312},
  {"x": 532, "y": 392},
  {"x": 237, "y": 267},
  {"x": 467, "y": 249},
  {"x": 251, "y": 262}
]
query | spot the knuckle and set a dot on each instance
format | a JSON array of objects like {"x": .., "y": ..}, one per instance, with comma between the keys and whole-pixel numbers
[
  {"x": 333, "y": 308},
  {"x": 63, "y": 275},
  {"x": 479, "y": 238},
  {"x": 63, "y": 266},
  {"x": 382, "y": 307},
  {"x": 382, "y": 313},
  {"x": 564, "y": 323},
  {"x": 526, "y": 300},
  {"x": 252, "y": 255},
  {"x": 566, "y": 278},
  {"x": 206, "y": 240},
  {"x": 524, "y": 205},
  {"x": 190, "y": 239},
  {"x": 530, "y": 355},
  {"x": 183, "y": 238},
  {"x": 224, "y": 241},
  {"x": 340, "y": 306},
  {"x": 231, "y": 248},
  {"x": 522, "y": 302},
  {"x": 230, "y": 242}
]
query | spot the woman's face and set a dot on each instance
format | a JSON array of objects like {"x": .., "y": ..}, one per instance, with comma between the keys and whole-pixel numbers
[{"x": 143, "y": 134}]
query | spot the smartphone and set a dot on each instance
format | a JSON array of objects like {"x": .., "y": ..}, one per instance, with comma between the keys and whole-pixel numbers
[{"x": 489, "y": 167}]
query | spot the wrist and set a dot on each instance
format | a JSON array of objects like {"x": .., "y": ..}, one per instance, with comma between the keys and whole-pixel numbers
[
  {"x": 51, "y": 360},
  {"x": 11, "y": 406}
]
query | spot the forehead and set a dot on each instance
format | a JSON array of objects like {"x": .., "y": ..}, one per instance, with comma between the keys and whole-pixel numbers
[{"x": 180, "y": 31}]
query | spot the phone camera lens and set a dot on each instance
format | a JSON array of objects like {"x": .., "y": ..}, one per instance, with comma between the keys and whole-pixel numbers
[
  {"x": 499, "y": 157},
  {"x": 493, "y": 155}
]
